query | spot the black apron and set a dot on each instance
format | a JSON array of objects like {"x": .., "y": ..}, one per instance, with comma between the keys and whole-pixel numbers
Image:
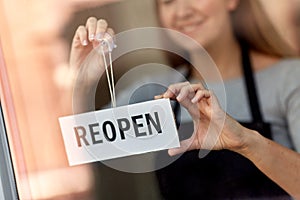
[{"x": 222, "y": 174}]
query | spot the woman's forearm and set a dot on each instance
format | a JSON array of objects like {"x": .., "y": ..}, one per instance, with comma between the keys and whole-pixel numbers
[{"x": 279, "y": 163}]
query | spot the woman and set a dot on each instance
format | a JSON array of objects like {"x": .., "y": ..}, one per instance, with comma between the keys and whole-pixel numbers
[
  {"x": 249, "y": 48},
  {"x": 279, "y": 163},
  {"x": 237, "y": 51}
]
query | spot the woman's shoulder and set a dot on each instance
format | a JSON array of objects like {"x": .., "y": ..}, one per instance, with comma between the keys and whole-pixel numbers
[
  {"x": 290, "y": 62},
  {"x": 282, "y": 76},
  {"x": 289, "y": 69},
  {"x": 285, "y": 75},
  {"x": 284, "y": 67}
]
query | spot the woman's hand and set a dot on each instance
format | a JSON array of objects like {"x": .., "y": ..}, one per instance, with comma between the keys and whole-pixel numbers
[
  {"x": 213, "y": 128},
  {"x": 89, "y": 47},
  {"x": 85, "y": 51}
]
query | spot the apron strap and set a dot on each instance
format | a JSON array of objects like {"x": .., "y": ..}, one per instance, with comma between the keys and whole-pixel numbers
[
  {"x": 251, "y": 86},
  {"x": 176, "y": 108}
]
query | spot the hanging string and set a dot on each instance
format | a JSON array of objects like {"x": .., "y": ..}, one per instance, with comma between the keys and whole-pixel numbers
[{"x": 110, "y": 77}]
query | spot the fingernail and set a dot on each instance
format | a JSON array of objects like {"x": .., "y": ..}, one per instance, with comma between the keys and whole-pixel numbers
[
  {"x": 92, "y": 37},
  {"x": 158, "y": 96},
  {"x": 84, "y": 42},
  {"x": 194, "y": 100},
  {"x": 179, "y": 97},
  {"x": 170, "y": 152}
]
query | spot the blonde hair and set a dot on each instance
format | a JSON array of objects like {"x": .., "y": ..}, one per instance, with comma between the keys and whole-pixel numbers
[{"x": 252, "y": 26}]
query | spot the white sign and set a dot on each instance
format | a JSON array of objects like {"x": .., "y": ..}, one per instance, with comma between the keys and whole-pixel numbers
[{"x": 118, "y": 132}]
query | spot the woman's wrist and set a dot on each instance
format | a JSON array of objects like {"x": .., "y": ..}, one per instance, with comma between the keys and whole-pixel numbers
[{"x": 249, "y": 142}]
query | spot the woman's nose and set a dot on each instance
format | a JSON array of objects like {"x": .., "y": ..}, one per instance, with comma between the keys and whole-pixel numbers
[{"x": 183, "y": 8}]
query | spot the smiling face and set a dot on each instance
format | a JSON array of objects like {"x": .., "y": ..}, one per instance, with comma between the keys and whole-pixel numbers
[{"x": 206, "y": 21}]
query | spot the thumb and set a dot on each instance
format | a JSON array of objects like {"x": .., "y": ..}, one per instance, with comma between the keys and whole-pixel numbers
[{"x": 185, "y": 145}]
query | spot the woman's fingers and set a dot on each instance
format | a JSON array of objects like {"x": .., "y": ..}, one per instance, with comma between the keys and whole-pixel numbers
[
  {"x": 111, "y": 32},
  {"x": 110, "y": 36},
  {"x": 93, "y": 31},
  {"x": 81, "y": 36},
  {"x": 201, "y": 94},
  {"x": 101, "y": 29},
  {"x": 189, "y": 95},
  {"x": 160, "y": 96},
  {"x": 185, "y": 92},
  {"x": 185, "y": 145},
  {"x": 91, "y": 26},
  {"x": 176, "y": 89},
  {"x": 198, "y": 86},
  {"x": 173, "y": 90},
  {"x": 176, "y": 151}
]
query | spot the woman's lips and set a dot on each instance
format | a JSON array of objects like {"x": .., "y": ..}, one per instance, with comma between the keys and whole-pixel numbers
[{"x": 189, "y": 28}]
